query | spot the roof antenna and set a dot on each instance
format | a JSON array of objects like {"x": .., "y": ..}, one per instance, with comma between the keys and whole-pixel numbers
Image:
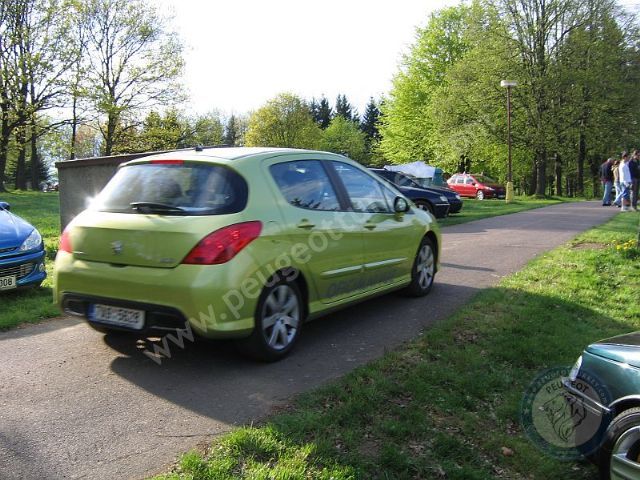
[{"x": 199, "y": 148}]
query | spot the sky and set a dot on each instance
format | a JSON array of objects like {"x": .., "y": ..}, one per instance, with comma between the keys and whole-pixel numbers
[{"x": 241, "y": 53}]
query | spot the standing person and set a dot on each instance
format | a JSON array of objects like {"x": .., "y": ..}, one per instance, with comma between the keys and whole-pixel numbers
[
  {"x": 616, "y": 182},
  {"x": 606, "y": 176},
  {"x": 625, "y": 182},
  {"x": 634, "y": 169}
]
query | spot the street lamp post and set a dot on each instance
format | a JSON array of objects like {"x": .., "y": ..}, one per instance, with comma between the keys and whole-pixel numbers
[{"x": 509, "y": 84}]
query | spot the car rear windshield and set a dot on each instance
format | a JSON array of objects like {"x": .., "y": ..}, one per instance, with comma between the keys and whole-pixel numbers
[{"x": 174, "y": 189}]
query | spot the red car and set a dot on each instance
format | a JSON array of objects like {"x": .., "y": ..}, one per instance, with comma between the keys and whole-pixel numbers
[{"x": 478, "y": 186}]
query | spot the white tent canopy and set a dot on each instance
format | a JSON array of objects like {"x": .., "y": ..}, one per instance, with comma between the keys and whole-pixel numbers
[{"x": 417, "y": 169}]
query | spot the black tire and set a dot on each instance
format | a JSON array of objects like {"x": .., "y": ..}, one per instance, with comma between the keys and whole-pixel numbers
[
  {"x": 426, "y": 206},
  {"x": 480, "y": 195},
  {"x": 269, "y": 343},
  {"x": 622, "y": 435},
  {"x": 423, "y": 270}
]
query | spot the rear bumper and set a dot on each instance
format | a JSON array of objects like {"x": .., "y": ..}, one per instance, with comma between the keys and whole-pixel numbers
[
  {"x": 203, "y": 296},
  {"x": 499, "y": 194},
  {"x": 158, "y": 318}
]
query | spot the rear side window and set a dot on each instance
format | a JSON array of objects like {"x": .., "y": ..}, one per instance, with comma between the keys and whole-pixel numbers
[
  {"x": 174, "y": 189},
  {"x": 365, "y": 192},
  {"x": 305, "y": 184}
]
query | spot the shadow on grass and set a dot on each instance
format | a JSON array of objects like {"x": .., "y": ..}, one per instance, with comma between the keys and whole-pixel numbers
[{"x": 445, "y": 403}]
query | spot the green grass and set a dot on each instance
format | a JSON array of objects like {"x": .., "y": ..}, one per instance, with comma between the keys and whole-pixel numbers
[
  {"x": 446, "y": 404},
  {"x": 43, "y": 212},
  {"x": 473, "y": 209}
]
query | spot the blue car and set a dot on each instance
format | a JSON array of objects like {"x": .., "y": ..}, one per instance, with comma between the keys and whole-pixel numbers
[{"x": 21, "y": 252}]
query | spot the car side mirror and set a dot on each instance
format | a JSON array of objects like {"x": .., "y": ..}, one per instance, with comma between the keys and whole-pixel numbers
[
  {"x": 400, "y": 205},
  {"x": 5, "y": 206}
]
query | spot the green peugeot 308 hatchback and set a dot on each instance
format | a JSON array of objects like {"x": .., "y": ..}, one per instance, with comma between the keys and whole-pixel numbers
[{"x": 244, "y": 243}]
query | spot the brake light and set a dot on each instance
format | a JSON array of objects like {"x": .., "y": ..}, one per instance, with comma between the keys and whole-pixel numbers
[
  {"x": 167, "y": 162},
  {"x": 224, "y": 244},
  {"x": 65, "y": 242}
]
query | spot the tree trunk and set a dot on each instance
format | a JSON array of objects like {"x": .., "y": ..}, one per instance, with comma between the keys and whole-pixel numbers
[
  {"x": 21, "y": 164},
  {"x": 35, "y": 159},
  {"x": 534, "y": 180},
  {"x": 558, "y": 173},
  {"x": 74, "y": 127},
  {"x": 582, "y": 153},
  {"x": 541, "y": 173},
  {"x": 111, "y": 133}
]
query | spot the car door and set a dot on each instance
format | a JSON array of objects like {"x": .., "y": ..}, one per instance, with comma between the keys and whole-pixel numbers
[
  {"x": 319, "y": 224},
  {"x": 390, "y": 240},
  {"x": 469, "y": 186}
]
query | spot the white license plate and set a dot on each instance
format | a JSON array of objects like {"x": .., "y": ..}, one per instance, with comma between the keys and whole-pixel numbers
[
  {"x": 8, "y": 283},
  {"x": 122, "y": 317}
]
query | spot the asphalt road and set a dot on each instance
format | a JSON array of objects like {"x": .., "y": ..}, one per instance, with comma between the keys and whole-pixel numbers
[{"x": 75, "y": 404}]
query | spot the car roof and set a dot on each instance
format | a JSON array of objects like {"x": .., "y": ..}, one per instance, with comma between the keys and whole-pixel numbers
[{"x": 231, "y": 154}]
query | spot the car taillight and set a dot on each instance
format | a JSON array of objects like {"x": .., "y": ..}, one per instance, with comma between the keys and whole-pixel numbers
[
  {"x": 224, "y": 244},
  {"x": 65, "y": 242}
]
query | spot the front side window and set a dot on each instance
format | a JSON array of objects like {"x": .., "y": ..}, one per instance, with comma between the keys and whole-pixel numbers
[
  {"x": 176, "y": 188},
  {"x": 469, "y": 181},
  {"x": 364, "y": 191},
  {"x": 305, "y": 184}
]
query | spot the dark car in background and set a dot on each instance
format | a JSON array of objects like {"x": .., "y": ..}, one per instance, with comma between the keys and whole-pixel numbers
[
  {"x": 478, "y": 186},
  {"x": 402, "y": 180},
  {"x": 21, "y": 252},
  {"x": 425, "y": 199}
]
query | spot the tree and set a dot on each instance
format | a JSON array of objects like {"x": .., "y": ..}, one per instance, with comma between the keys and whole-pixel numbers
[
  {"x": 406, "y": 127},
  {"x": 231, "y": 132},
  {"x": 207, "y": 131},
  {"x": 285, "y": 121},
  {"x": 134, "y": 62},
  {"x": 344, "y": 108},
  {"x": 369, "y": 123},
  {"x": 321, "y": 112},
  {"x": 343, "y": 136}
]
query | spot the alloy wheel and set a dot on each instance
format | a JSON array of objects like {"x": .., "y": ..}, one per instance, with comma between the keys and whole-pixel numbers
[{"x": 280, "y": 317}]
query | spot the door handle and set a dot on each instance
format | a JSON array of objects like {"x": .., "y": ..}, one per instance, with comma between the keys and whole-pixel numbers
[
  {"x": 370, "y": 226},
  {"x": 305, "y": 224}
]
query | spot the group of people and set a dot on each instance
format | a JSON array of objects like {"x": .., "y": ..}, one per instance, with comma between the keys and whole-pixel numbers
[{"x": 621, "y": 174}]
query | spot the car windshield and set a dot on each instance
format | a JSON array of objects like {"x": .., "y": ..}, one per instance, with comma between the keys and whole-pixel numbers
[
  {"x": 401, "y": 179},
  {"x": 484, "y": 179},
  {"x": 173, "y": 189}
]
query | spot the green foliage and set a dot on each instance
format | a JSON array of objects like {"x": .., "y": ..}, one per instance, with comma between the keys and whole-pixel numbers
[
  {"x": 284, "y": 121},
  {"x": 446, "y": 106},
  {"x": 407, "y": 127},
  {"x": 343, "y": 136}
]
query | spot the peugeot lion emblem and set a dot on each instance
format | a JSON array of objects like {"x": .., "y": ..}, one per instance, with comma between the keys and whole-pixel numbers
[{"x": 116, "y": 247}]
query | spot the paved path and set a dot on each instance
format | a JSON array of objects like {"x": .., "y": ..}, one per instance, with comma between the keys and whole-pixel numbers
[{"x": 76, "y": 405}]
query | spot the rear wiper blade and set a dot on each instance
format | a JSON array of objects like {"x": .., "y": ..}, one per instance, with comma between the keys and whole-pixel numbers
[{"x": 148, "y": 207}]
